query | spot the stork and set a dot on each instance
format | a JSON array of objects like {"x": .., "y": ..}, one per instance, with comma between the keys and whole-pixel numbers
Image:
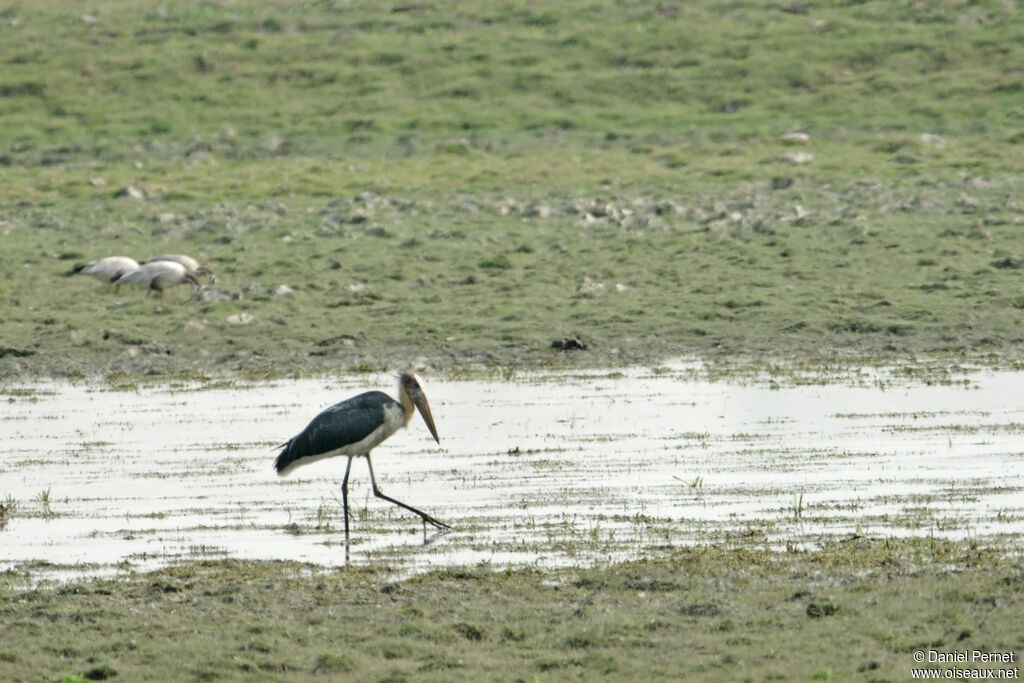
[
  {"x": 353, "y": 428},
  {"x": 187, "y": 261},
  {"x": 109, "y": 269},
  {"x": 158, "y": 276}
]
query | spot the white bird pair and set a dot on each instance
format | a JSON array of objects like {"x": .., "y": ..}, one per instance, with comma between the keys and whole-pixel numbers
[{"x": 155, "y": 275}]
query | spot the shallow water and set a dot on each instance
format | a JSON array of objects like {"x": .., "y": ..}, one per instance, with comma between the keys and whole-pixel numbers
[{"x": 548, "y": 469}]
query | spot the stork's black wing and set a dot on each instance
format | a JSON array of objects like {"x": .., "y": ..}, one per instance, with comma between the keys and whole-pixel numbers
[{"x": 342, "y": 424}]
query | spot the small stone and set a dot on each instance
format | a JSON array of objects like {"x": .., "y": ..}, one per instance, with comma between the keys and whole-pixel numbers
[
  {"x": 568, "y": 344},
  {"x": 796, "y": 138},
  {"x": 240, "y": 318},
  {"x": 796, "y": 157},
  {"x": 589, "y": 287},
  {"x": 213, "y": 294},
  {"x": 537, "y": 211},
  {"x": 283, "y": 291},
  {"x": 80, "y": 337},
  {"x": 131, "y": 191},
  {"x": 422, "y": 282}
]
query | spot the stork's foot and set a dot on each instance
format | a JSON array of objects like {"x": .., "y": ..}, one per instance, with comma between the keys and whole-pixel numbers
[
  {"x": 437, "y": 524},
  {"x": 423, "y": 515}
]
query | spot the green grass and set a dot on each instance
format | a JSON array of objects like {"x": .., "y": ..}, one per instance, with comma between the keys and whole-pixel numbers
[
  {"x": 259, "y": 81},
  {"x": 493, "y": 173},
  {"x": 856, "y": 610}
]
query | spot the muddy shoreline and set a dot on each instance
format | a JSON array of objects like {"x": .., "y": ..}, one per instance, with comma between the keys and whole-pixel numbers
[{"x": 153, "y": 361}]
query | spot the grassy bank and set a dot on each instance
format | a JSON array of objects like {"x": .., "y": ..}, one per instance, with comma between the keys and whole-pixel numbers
[
  {"x": 857, "y": 610},
  {"x": 456, "y": 283},
  {"x": 466, "y": 184}
]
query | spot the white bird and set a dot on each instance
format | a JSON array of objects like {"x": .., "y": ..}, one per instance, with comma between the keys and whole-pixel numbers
[
  {"x": 158, "y": 276},
  {"x": 187, "y": 261},
  {"x": 109, "y": 269},
  {"x": 353, "y": 428}
]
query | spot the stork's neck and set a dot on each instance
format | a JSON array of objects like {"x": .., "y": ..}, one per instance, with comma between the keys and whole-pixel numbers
[{"x": 407, "y": 404}]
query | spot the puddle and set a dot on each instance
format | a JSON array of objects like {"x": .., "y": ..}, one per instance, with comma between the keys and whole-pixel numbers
[{"x": 547, "y": 470}]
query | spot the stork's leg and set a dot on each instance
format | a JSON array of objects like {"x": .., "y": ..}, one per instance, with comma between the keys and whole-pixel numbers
[
  {"x": 377, "y": 492},
  {"x": 344, "y": 494}
]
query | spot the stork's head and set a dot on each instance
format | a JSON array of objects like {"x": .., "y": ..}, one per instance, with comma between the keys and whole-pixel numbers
[{"x": 411, "y": 386}]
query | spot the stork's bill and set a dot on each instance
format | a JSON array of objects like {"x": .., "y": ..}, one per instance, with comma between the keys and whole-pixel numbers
[{"x": 412, "y": 395}]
